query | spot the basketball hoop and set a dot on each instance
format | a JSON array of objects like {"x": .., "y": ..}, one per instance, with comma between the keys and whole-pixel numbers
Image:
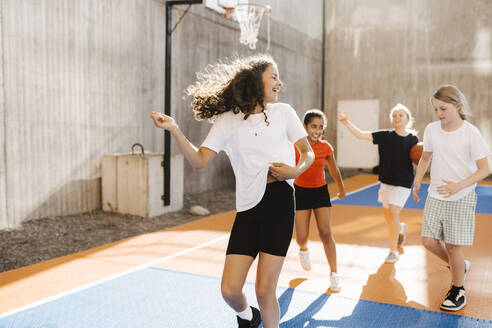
[
  {"x": 249, "y": 17},
  {"x": 228, "y": 12}
]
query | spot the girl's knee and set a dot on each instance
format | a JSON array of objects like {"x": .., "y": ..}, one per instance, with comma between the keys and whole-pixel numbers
[
  {"x": 301, "y": 240},
  {"x": 264, "y": 293},
  {"x": 395, "y": 211},
  {"x": 326, "y": 237},
  {"x": 452, "y": 248},
  {"x": 230, "y": 292}
]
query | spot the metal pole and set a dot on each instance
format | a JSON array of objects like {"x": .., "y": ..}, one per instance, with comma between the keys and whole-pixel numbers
[
  {"x": 166, "y": 163},
  {"x": 323, "y": 45}
]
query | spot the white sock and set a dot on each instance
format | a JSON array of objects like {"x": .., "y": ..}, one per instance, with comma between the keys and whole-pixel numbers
[{"x": 246, "y": 314}]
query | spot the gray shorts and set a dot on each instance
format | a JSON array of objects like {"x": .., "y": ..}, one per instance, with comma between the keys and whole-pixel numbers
[{"x": 451, "y": 221}]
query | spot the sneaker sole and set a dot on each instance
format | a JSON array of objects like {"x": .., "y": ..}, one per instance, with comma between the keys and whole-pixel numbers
[
  {"x": 453, "y": 309},
  {"x": 391, "y": 261},
  {"x": 305, "y": 269}
]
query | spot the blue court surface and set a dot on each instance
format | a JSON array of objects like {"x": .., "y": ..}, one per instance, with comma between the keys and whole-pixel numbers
[
  {"x": 369, "y": 197},
  {"x": 154, "y": 297}
]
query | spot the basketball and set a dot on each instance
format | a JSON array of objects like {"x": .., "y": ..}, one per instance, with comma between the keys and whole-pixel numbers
[{"x": 416, "y": 152}]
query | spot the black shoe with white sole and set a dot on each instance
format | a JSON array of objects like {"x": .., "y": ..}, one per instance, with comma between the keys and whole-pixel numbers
[
  {"x": 455, "y": 299},
  {"x": 253, "y": 323}
]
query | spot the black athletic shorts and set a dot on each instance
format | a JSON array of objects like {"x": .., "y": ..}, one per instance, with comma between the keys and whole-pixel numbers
[
  {"x": 311, "y": 198},
  {"x": 268, "y": 226}
]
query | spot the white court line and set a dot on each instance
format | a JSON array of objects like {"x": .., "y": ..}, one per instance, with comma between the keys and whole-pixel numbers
[
  {"x": 143, "y": 266},
  {"x": 356, "y": 190},
  {"x": 111, "y": 277}
]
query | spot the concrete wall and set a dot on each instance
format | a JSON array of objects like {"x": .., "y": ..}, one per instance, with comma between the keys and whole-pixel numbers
[
  {"x": 79, "y": 79},
  {"x": 401, "y": 51}
]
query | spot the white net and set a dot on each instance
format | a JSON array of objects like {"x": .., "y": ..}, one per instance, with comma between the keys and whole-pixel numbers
[{"x": 249, "y": 17}]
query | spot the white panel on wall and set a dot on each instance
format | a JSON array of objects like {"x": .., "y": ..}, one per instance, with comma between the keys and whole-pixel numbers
[{"x": 352, "y": 152}]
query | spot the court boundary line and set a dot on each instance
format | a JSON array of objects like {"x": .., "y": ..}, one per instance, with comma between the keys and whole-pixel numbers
[
  {"x": 110, "y": 277},
  {"x": 357, "y": 190}
]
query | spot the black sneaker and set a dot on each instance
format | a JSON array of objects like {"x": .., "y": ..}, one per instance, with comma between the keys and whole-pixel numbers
[
  {"x": 455, "y": 299},
  {"x": 254, "y": 323}
]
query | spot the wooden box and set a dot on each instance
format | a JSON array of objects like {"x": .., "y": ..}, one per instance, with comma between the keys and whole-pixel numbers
[{"x": 133, "y": 184}]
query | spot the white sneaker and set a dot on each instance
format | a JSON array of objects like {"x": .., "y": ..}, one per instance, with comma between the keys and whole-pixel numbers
[
  {"x": 335, "y": 282},
  {"x": 402, "y": 236},
  {"x": 304, "y": 258},
  {"x": 392, "y": 257}
]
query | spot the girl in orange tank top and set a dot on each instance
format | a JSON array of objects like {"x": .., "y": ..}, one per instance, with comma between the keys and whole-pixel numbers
[{"x": 312, "y": 195}]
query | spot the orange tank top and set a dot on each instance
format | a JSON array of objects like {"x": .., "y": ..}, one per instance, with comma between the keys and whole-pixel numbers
[{"x": 314, "y": 176}]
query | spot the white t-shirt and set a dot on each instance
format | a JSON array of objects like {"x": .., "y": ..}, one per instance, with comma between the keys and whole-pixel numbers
[
  {"x": 252, "y": 146},
  {"x": 454, "y": 156}
]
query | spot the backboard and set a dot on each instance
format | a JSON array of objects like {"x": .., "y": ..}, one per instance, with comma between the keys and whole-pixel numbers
[{"x": 219, "y": 5}]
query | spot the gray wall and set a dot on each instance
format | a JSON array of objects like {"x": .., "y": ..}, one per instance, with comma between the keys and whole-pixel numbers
[
  {"x": 79, "y": 79},
  {"x": 401, "y": 51}
]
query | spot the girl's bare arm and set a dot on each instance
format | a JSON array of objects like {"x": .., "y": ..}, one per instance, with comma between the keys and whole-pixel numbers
[
  {"x": 450, "y": 188},
  {"x": 282, "y": 171},
  {"x": 197, "y": 157},
  {"x": 335, "y": 174},
  {"x": 422, "y": 167},
  {"x": 363, "y": 135}
]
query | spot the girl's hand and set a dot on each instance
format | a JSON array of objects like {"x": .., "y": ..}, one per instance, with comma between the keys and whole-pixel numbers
[
  {"x": 341, "y": 194},
  {"x": 449, "y": 189},
  {"x": 163, "y": 121},
  {"x": 281, "y": 171},
  {"x": 342, "y": 116},
  {"x": 415, "y": 191}
]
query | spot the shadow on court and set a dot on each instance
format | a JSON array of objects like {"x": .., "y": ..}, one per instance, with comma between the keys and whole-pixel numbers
[{"x": 323, "y": 310}]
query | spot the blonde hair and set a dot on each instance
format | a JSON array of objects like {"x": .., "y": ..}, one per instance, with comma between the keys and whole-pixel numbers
[
  {"x": 452, "y": 95},
  {"x": 407, "y": 112}
]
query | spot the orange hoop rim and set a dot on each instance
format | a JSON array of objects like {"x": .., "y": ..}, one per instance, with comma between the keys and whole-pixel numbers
[
  {"x": 267, "y": 8},
  {"x": 228, "y": 12}
]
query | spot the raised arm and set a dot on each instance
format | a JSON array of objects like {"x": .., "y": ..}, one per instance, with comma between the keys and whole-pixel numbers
[
  {"x": 363, "y": 135},
  {"x": 197, "y": 157}
]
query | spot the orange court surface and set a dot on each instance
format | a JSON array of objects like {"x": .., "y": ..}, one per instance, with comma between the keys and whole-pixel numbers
[{"x": 417, "y": 280}]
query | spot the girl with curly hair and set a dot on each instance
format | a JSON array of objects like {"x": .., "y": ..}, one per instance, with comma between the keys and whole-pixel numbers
[{"x": 257, "y": 134}]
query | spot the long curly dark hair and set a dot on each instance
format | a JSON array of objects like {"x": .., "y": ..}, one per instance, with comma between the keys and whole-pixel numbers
[{"x": 234, "y": 86}]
